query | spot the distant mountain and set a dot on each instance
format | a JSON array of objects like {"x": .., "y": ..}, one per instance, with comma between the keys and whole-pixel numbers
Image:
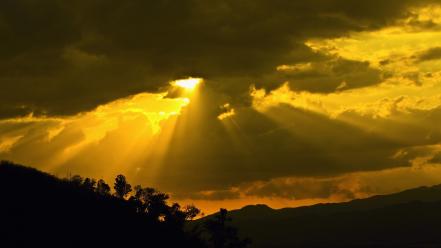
[
  {"x": 39, "y": 210},
  {"x": 411, "y": 218}
]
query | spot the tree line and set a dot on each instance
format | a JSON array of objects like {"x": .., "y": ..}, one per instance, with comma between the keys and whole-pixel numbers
[{"x": 215, "y": 232}]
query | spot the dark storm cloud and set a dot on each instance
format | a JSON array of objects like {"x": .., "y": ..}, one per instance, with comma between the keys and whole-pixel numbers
[
  {"x": 286, "y": 188},
  {"x": 436, "y": 159},
  {"x": 63, "y": 57},
  {"x": 433, "y": 53},
  {"x": 420, "y": 127},
  {"x": 333, "y": 74},
  {"x": 307, "y": 188}
]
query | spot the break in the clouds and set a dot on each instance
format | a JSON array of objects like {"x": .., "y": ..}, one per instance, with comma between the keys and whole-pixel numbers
[{"x": 297, "y": 99}]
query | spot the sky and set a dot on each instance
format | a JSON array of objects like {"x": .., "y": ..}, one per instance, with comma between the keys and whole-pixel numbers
[{"x": 226, "y": 103}]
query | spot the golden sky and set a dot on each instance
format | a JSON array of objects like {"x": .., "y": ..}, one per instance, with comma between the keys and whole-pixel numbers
[{"x": 226, "y": 103}]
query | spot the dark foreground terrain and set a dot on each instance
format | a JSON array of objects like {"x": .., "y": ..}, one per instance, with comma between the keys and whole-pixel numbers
[
  {"x": 411, "y": 218},
  {"x": 39, "y": 210}
]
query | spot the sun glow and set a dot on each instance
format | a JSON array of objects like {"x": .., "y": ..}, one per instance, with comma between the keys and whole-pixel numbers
[{"x": 188, "y": 84}]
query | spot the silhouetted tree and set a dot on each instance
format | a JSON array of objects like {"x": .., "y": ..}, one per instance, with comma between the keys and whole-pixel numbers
[
  {"x": 136, "y": 200},
  {"x": 151, "y": 202},
  {"x": 221, "y": 235},
  {"x": 102, "y": 187},
  {"x": 191, "y": 211},
  {"x": 177, "y": 216},
  {"x": 122, "y": 188},
  {"x": 76, "y": 180},
  {"x": 89, "y": 184},
  {"x": 157, "y": 204}
]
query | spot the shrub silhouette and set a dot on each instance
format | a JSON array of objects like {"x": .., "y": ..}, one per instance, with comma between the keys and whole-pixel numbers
[
  {"x": 102, "y": 187},
  {"x": 89, "y": 184},
  {"x": 122, "y": 188},
  {"x": 76, "y": 180},
  {"x": 191, "y": 212}
]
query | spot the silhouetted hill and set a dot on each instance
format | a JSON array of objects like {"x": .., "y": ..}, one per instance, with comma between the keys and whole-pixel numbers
[
  {"x": 39, "y": 210},
  {"x": 411, "y": 218}
]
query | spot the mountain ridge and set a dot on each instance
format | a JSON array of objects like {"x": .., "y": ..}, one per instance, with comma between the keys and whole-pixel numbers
[
  {"x": 430, "y": 193},
  {"x": 410, "y": 218}
]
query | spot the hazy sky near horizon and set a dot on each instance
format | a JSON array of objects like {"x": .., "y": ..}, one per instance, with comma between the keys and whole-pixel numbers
[{"x": 226, "y": 103}]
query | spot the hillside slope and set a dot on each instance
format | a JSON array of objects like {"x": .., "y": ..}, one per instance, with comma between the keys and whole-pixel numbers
[
  {"x": 39, "y": 210},
  {"x": 411, "y": 218}
]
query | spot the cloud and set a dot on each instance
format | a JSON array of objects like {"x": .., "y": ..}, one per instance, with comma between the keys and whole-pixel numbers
[
  {"x": 296, "y": 190},
  {"x": 62, "y": 58},
  {"x": 433, "y": 53},
  {"x": 436, "y": 159},
  {"x": 338, "y": 188},
  {"x": 330, "y": 75},
  {"x": 289, "y": 188}
]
